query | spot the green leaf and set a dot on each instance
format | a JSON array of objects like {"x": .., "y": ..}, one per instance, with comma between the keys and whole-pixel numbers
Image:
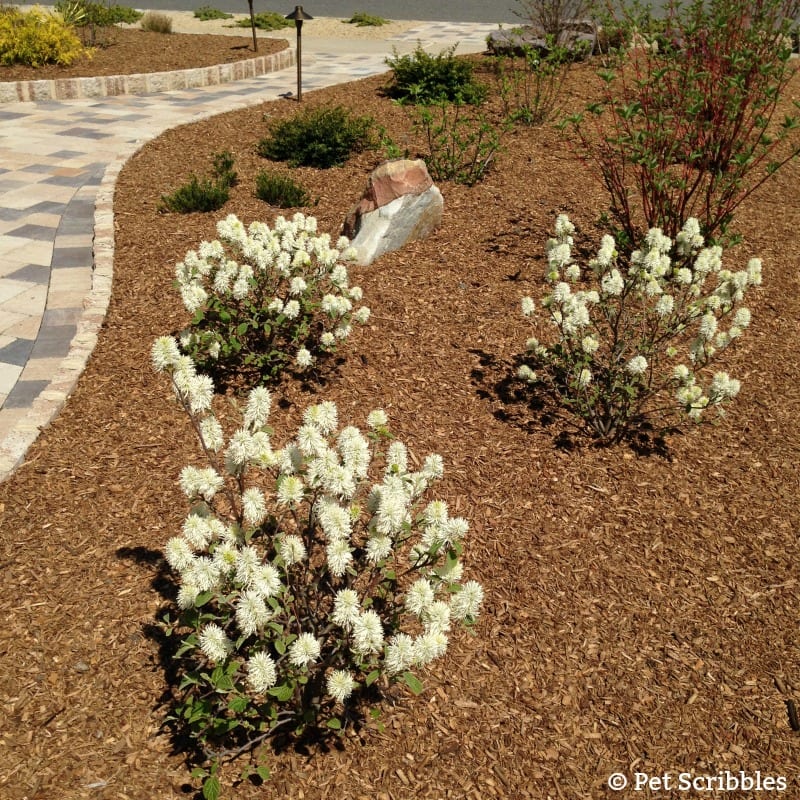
[
  {"x": 280, "y": 646},
  {"x": 263, "y": 773},
  {"x": 211, "y": 788},
  {"x": 281, "y": 693},
  {"x": 334, "y": 724},
  {"x": 238, "y": 704},
  {"x": 413, "y": 683},
  {"x": 372, "y": 677},
  {"x": 203, "y": 598}
]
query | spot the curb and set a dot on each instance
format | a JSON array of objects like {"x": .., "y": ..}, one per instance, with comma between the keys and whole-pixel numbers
[{"x": 144, "y": 83}]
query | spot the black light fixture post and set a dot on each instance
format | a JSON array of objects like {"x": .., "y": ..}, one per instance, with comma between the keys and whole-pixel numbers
[{"x": 298, "y": 15}]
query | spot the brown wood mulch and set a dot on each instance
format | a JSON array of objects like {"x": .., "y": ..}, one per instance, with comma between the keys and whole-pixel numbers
[
  {"x": 130, "y": 51},
  {"x": 640, "y": 608}
]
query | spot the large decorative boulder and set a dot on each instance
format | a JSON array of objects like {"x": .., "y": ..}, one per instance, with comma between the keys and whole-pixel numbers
[{"x": 399, "y": 205}]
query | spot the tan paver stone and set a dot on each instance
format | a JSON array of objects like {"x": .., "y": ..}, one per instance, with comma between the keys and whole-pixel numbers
[{"x": 9, "y": 375}]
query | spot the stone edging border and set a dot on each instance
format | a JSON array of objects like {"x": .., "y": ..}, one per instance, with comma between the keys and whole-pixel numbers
[{"x": 147, "y": 83}]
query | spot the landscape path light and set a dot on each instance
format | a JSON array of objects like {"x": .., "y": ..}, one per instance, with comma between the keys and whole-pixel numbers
[{"x": 298, "y": 15}]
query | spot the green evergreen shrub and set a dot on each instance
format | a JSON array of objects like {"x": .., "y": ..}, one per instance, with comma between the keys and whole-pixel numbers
[
  {"x": 321, "y": 138},
  {"x": 280, "y": 191}
]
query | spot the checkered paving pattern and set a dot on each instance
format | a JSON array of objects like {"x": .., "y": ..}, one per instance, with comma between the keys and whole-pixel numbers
[{"x": 58, "y": 165}]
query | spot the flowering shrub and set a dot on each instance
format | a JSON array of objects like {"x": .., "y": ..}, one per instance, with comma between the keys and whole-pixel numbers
[
  {"x": 635, "y": 345},
  {"x": 300, "y": 581},
  {"x": 263, "y": 299}
]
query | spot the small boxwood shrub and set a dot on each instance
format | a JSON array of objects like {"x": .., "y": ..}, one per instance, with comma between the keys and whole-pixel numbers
[
  {"x": 422, "y": 78},
  {"x": 280, "y": 191},
  {"x": 321, "y": 138},
  {"x": 36, "y": 38}
]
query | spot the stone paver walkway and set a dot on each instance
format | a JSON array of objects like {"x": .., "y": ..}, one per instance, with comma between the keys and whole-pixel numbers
[{"x": 58, "y": 166}]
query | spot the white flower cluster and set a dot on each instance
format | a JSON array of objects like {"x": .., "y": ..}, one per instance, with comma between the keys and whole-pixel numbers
[
  {"x": 285, "y": 272},
  {"x": 623, "y": 332},
  {"x": 304, "y": 541}
]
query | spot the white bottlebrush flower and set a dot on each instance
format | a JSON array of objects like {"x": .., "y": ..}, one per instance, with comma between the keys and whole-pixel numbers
[
  {"x": 637, "y": 365},
  {"x": 259, "y": 404},
  {"x": 339, "y": 556},
  {"x": 324, "y": 416},
  {"x": 396, "y": 457},
  {"x": 342, "y": 331},
  {"x": 429, "y": 646},
  {"x": 290, "y": 490},
  {"x": 254, "y": 506},
  {"x": 612, "y": 283},
  {"x": 584, "y": 378},
  {"x": 187, "y": 594},
  {"x": 436, "y": 617},
  {"x": 251, "y": 613},
  {"x": 214, "y": 643},
  {"x": 239, "y": 451},
  {"x": 742, "y": 317},
  {"x": 362, "y": 315},
  {"x": 724, "y": 387},
  {"x": 340, "y": 685},
  {"x": 335, "y": 521},
  {"x": 665, "y": 305},
  {"x": 419, "y": 596},
  {"x": 261, "y": 672},
  {"x": 399, "y": 654},
  {"x": 304, "y": 650},
  {"x": 178, "y": 553},
  {"x": 303, "y": 358},
  {"x": 266, "y": 581},
  {"x": 204, "y": 573},
  {"x": 197, "y": 531},
  {"x": 310, "y": 441},
  {"x": 681, "y": 373},
  {"x": 526, "y": 374},
  {"x": 754, "y": 271},
  {"x": 212, "y": 433},
  {"x": 708, "y": 327},
  {"x": 203, "y": 483},
  {"x": 327, "y": 339},
  {"x": 355, "y": 451},
  {"x": 466, "y": 604},
  {"x": 297, "y": 286},
  {"x": 200, "y": 393},
  {"x": 590, "y": 344},
  {"x": 367, "y": 633},
  {"x": 275, "y": 306},
  {"x": 291, "y": 549},
  {"x": 292, "y": 309},
  {"x": 433, "y": 467},
  {"x": 377, "y": 419},
  {"x": 379, "y": 548},
  {"x": 528, "y": 306},
  {"x": 164, "y": 353},
  {"x": 346, "y": 609}
]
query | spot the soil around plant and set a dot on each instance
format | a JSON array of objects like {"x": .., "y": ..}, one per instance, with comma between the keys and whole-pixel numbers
[{"x": 641, "y": 607}]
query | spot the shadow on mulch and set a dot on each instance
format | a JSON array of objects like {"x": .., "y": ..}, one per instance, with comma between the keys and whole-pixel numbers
[
  {"x": 517, "y": 405},
  {"x": 312, "y": 740}
]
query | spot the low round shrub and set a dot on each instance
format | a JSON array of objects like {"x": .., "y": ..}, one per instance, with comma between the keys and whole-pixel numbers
[
  {"x": 156, "y": 22},
  {"x": 320, "y": 137},
  {"x": 266, "y": 21},
  {"x": 36, "y": 38}
]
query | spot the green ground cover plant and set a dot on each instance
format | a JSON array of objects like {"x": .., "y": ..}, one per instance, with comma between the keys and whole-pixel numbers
[
  {"x": 207, "y": 13},
  {"x": 363, "y": 20}
]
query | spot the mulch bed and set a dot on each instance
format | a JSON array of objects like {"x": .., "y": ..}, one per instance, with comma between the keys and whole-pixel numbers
[
  {"x": 130, "y": 51},
  {"x": 640, "y": 606}
]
